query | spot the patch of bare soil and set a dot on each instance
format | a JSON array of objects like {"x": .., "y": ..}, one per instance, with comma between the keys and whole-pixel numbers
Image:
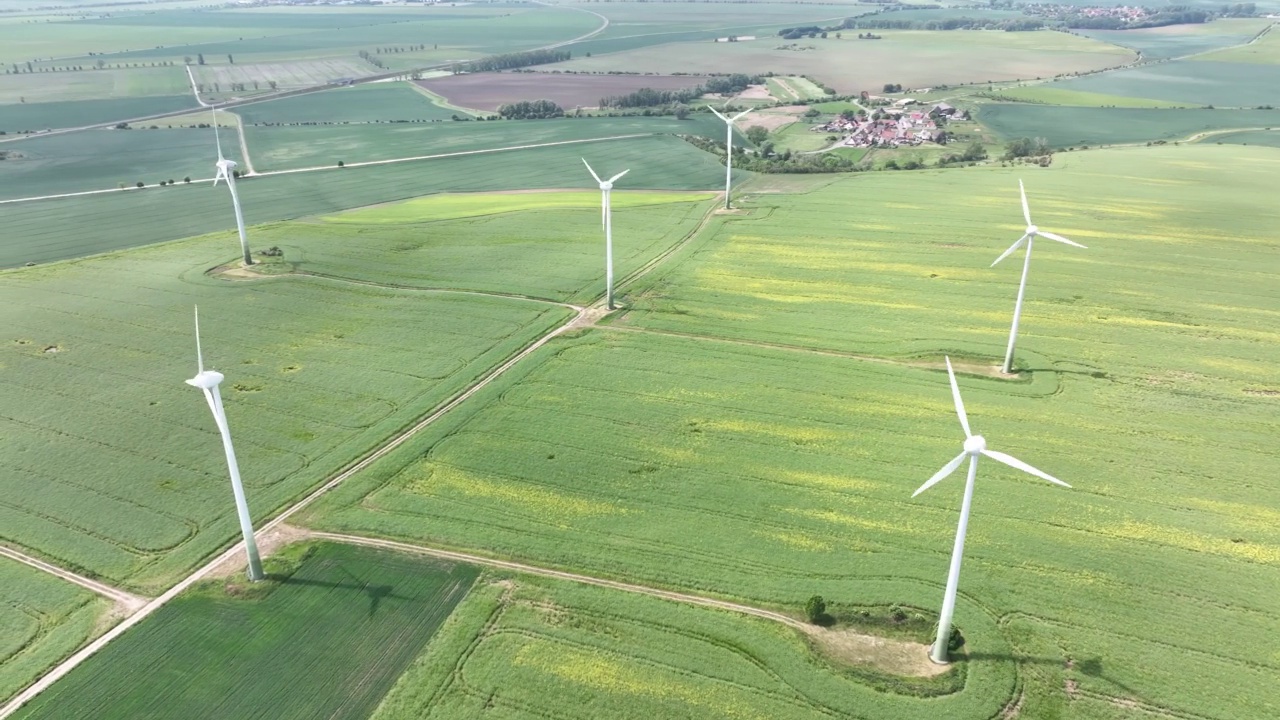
[
  {"x": 995, "y": 371},
  {"x": 268, "y": 543},
  {"x": 773, "y": 118},
  {"x": 897, "y": 657},
  {"x": 235, "y": 271},
  {"x": 1014, "y": 708},
  {"x": 755, "y": 92}
]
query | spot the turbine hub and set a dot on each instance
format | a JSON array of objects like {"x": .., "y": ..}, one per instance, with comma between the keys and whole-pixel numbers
[
  {"x": 206, "y": 380},
  {"x": 606, "y": 186},
  {"x": 226, "y": 164},
  {"x": 1032, "y": 229},
  {"x": 975, "y": 445}
]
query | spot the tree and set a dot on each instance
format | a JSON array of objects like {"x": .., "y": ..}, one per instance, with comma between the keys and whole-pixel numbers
[
  {"x": 187, "y": 179},
  {"x": 341, "y": 164},
  {"x": 974, "y": 152},
  {"x": 199, "y": 58},
  {"x": 141, "y": 184},
  {"x": 230, "y": 60},
  {"x": 186, "y": 60},
  {"x": 766, "y": 149},
  {"x": 757, "y": 134},
  {"x": 815, "y": 609},
  {"x": 272, "y": 83},
  {"x": 682, "y": 112}
]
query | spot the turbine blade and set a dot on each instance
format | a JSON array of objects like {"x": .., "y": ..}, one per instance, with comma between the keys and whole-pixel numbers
[
  {"x": 1011, "y": 250},
  {"x": 941, "y": 474},
  {"x": 1016, "y": 463},
  {"x": 615, "y": 177},
  {"x": 593, "y": 172},
  {"x": 717, "y": 112},
  {"x": 199, "y": 354},
  {"x": 1026, "y": 209},
  {"x": 739, "y": 115},
  {"x": 1060, "y": 239},
  {"x": 217, "y": 176},
  {"x": 955, "y": 395},
  {"x": 216, "y": 138}
]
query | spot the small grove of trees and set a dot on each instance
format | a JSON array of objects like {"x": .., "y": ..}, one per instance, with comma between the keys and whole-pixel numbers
[
  {"x": 648, "y": 97},
  {"x": 757, "y": 134},
  {"x": 973, "y": 152},
  {"x": 1026, "y": 147},
  {"x": 892, "y": 87},
  {"x": 815, "y": 609},
  {"x": 510, "y": 61},
  {"x": 531, "y": 110}
]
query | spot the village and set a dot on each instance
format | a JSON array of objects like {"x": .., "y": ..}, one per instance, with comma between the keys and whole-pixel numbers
[{"x": 893, "y": 126}]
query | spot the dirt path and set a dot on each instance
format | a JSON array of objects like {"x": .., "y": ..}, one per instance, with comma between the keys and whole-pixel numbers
[
  {"x": 126, "y": 600},
  {"x": 580, "y": 38},
  {"x": 195, "y": 88}
]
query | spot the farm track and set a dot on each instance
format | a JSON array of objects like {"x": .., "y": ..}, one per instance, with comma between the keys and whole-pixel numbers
[
  {"x": 127, "y": 601},
  {"x": 429, "y": 290}
]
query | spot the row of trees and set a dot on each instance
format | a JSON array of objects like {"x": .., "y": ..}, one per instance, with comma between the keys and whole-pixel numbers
[
  {"x": 531, "y": 110},
  {"x": 887, "y": 22},
  {"x": 649, "y": 97},
  {"x": 510, "y": 61}
]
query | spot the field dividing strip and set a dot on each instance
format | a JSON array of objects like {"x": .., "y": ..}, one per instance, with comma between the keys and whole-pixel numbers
[
  {"x": 561, "y": 575},
  {"x": 115, "y": 594},
  {"x": 438, "y": 291}
]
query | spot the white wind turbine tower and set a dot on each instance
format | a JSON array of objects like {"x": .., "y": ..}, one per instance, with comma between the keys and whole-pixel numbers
[
  {"x": 974, "y": 446},
  {"x": 226, "y": 170},
  {"x": 1031, "y": 234},
  {"x": 728, "y": 150},
  {"x": 208, "y": 381},
  {"x": 606, "y": 218}
]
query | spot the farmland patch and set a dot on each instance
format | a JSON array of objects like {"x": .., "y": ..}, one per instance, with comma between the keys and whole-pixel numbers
[
  {"x": 328, "y": 641},
  {"x": 1079, "y": 126},
  {"x": 34, "y": 117},
  {"x": 373, "y": 102},
  {"x": 1190, "y": 82},
  {"x": 92, "y": 85},
  {"x": 285, "y": 75},
  {"x": 1180, "y": 40},
  {"x": 488, "y": 91}
]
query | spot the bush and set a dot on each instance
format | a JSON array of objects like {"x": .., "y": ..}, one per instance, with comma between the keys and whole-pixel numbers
[
  {"x": 757, "y": 134},
  {"x": 815, "y": 609},
  {"x": 187, "y": 179},
  {"x": 141, "y": 184},
  {"x": 341, "y": 164}
]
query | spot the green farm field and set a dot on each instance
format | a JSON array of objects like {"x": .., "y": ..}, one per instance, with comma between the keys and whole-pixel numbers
[
  {"x": 282, "y": 148},
  {"x": 42, "y": 620},
  {"x": 1264, "y": 50},
  {"x": 35, "y": 117},
  {"x": 327, "y": 640},
  {"x": 911, "y": 58},
  {"x": 1078, "y": 126},
  {"x": 100, "y": 159},
  {"x": 33, "y": 88},
  {"x": 1190, "y": 82},
  {"x": 596, "y": 653},
  {"x": 47, "y": 230},
  {"x": 372, "y": 102},
  {"x": 1174, "y": 41},
  {"x": 1256, "y": 137},
  {"x": 754, "y": 425},
  {"x": 1050, "y": 94}
]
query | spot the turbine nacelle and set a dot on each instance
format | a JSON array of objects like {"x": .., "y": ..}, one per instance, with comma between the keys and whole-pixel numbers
[
  {"x": 207, "y": 379},
  {"x": 606, "y": 186},
  {"x": 1033, "y": 230},
  {"x": 975, "y": 444}
]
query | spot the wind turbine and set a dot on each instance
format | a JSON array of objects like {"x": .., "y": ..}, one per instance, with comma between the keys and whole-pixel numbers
[
  {"x": 974, "y": 445},
  {"x": 1031, "y": 234},
  {"x": 606, "y": 219},
  {"x": 226, "y": 170},
  {"x": 728, "y": 148},
  {"x": 208, "y": 381}
]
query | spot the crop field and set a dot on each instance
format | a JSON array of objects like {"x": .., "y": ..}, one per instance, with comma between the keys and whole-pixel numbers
[
  {"x": 531, "y": 647},
  {"x": 1047, "y": 94},
  {"x": 327, "y": 641},
  {"x": 488, "y": 91},
  {"x": 31, "y": 88},
  {"x": 1265, "y": 50},
  {"x": 282, "y": 148},
  {"x": 911, "y": 58},
  {"x": 483, "y": 29},
  {"x": 98, "y": 159},
  {"x": 42, "y": 620},
  {"x": 1257, "y": 137},
  {"x": 286, "y": 75},
  {"x": 371, "y": 102},
  {"x": 1190, "y": 82},
  {"x": 46, "y": 230},
  {"x": 130, "y": 483},
  {"x": 727, "y": 435},
  {"x": 1181, "y": 40},
  {"x": 1077, "y": 126},
  {"x": 34, "y": 117},
  {"x": 490, "y": 242}
]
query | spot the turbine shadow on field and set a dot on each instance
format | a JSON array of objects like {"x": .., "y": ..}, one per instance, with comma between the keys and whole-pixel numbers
[{"x": 376, "y": 593}]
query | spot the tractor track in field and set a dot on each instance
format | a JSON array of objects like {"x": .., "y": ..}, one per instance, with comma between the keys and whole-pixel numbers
[{"x": 126, "y": 601}]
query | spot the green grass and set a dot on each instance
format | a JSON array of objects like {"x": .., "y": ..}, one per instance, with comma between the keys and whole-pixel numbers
[
  {"x": 532, "y": 647},
  {"x": 279, "y": 148},
  {"x": 34, "y": 117},
  {"x": 1053, "y": 95},
  {"x": 1181, "y": 40},
  {"x": 695, "y": 459},
  {"x": 1190, "y": 82},
  {"x": 47, "y": 230},
  {"x": 799, "y": 138},
  {"x": 328, "y": 641},
  {"x": 911, "y": 58},
  {"x": 547, "y": 245},
  {"x": 1266, "y": 50},
  {"x": 92, "y": 85},
  {"x": 360, "y": 104},
  {"x": 1077, "y": 126},
  {"x": 98, "y": 159},
  {"x": 1258, "y": 137},
  {"x": 42, "y": 620},
  {"x": 130, "y": 483}
]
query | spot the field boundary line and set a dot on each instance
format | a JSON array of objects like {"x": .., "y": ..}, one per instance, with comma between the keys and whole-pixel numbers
[
  {"x": 559, "y": 575},
  {"x": 441, "y": 291},
  {"x": 585, "y": 317},
  {"x": 129, "y": 600}
]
